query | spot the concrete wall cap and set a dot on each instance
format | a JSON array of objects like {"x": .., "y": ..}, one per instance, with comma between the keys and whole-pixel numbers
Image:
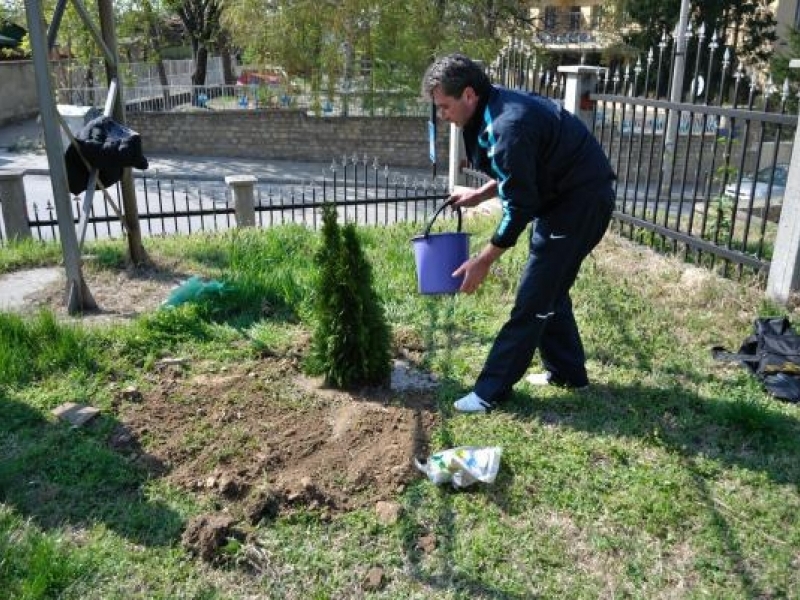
[
  {"x": 240, "y": 179},
  {"x": 581, "y": 69}
]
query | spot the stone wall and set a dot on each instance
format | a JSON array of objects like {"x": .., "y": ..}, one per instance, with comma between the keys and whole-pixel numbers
[
  {"x": 18, "y": 100},
  {"x": 291, "y": 135}
]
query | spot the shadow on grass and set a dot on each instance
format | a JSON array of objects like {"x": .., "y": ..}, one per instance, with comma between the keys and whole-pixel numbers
[
  {"x": 443, "y": 532},
  {"x": 63, "y": 476},
  {"x": 702, "y": 432},
  {"x": 748, "y": 434},
  {"x": 706, "y": 434}
]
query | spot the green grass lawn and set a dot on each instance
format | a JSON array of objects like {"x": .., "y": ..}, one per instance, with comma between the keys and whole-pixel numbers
[{"x": 673, "y": 477}]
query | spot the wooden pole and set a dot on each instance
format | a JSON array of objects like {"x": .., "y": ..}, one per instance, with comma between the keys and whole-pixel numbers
[
  {"x": 78, "y": 297},
  {"x": 130, "y": 210}
]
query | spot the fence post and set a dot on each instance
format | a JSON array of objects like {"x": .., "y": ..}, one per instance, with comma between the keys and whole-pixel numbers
[
  {"x": 457, "y": 157},
  {"x": 243, "y": 199},
  {"x": 581, "y": 80},
  {"x": 784, "y": 269},
  {"x": 15, "y": 208}
]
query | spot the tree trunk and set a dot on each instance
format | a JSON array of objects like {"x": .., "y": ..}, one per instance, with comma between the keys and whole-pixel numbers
[
  {"x": 162, "y": 71},
  {"x": 162, "y": 79},
  {"x": 228, "y": 75},
  {"x": 200, "y": 65}
]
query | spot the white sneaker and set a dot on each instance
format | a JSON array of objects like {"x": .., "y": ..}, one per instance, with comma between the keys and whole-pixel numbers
[
  {"x": 545, "y": 379},
  {"x": 471, "y": 403},
  {"x": 538, "y": 378}
]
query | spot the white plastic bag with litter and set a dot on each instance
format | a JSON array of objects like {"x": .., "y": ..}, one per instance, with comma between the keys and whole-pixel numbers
[{"x": 462, "y": 466}]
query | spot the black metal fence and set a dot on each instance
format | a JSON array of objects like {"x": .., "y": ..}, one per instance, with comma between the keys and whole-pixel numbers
[
  {"x": 699, "y": 193},
  {"x": 363, "y": 194},
  {"x": 705, "y": 175},
  {"x": 701, "y": 166},
  {"x": 518, "y": 66}
]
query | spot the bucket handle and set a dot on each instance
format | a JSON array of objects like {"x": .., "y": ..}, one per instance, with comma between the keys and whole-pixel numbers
[{"x": 457, "y": 210}]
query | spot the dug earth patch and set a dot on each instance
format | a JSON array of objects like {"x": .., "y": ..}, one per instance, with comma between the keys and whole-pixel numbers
[{"x": 259, "y": 440}]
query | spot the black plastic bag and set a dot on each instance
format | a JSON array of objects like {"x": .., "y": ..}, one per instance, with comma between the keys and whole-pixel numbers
[{"x": 772, "y": 354}]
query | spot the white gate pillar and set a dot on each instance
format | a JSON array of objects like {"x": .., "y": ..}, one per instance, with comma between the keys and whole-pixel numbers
[
  {"x": 241, "y": 187},
  {"x": 784, "y": 269},
  {"x": 14, "y": 206},
  {"x": 581, "y": 80},
  {"x": 457, "y": 157}
]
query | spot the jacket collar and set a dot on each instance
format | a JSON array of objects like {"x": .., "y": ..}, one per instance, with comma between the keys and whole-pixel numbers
[{"x": 475, "y": 124}]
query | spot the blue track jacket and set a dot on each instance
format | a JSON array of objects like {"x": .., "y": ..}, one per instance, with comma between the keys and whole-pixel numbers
[{"x": 537, "y": 152}]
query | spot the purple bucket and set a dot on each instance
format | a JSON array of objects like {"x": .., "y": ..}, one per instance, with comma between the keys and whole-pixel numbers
[{"x": 439, "y": 254}]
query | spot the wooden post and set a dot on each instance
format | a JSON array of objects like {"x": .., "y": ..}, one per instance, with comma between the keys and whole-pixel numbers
[{"x": 130, "y": 209}]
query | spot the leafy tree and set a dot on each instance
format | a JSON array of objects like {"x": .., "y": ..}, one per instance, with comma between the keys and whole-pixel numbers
[
  {"x": 142, "y": 21},
  {"x": 9, "y": 21},
  {"x": 779, "y": 67},
  {"x": 745, "y": 26},
  {"x": 201, "y": 21},
  {"x": 396, "y": 38},
  {"x": 74, "y": 39},
  {"x": 13, "y": 11},
  {"x": 151, "y": 21}
]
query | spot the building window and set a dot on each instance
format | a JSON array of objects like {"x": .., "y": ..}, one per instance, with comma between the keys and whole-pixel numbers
[
  {"x": 575, "y": 18},
  {"x": 549, "y": 18}
]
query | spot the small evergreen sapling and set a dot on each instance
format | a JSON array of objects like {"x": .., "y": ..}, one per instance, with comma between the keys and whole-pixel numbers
[
  {"x": 351, "y": 339},
  {"x": 375, "y": 339}
]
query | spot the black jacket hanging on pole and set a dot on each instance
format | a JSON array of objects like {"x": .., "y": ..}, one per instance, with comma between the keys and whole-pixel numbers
[{"x": 108, "y": 146}]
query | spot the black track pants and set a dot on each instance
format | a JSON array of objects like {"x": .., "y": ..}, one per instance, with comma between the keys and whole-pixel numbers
[{"x": 542, "y": 315}]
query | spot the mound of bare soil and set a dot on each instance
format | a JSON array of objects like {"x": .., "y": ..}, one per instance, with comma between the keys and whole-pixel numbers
[
  {"x": 262, "y": 439},
  {"x": 258, "y": 439}
]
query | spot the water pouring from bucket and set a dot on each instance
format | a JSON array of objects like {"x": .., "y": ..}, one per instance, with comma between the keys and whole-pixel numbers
[{"x": 437, "y": 255}]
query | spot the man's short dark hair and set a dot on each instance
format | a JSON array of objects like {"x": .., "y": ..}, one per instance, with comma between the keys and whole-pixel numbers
[{"x": 454, "y": 73}]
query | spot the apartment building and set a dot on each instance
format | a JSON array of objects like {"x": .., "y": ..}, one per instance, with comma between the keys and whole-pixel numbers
[
  {"x": 576, "y": 30},
  {"x": 787, "y": 14}
]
